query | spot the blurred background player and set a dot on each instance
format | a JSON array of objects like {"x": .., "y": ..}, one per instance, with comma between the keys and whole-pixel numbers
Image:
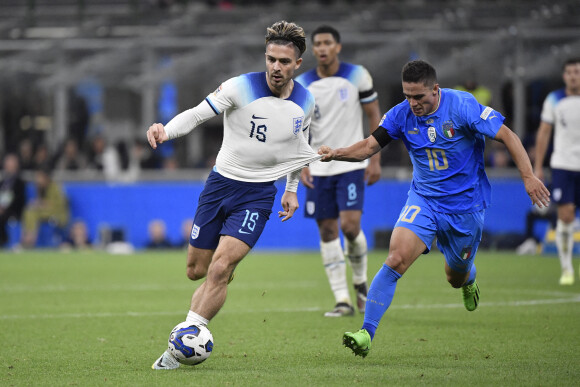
[
  {"x": 561, "y": 112},
  {"x": 49, "y": 205},
  {"x": 443, "y": 130},
  {"x": 77, "y": 238},
  {"x": 335, "y": 190},
  {"x": 266, "y": 120},
  {"x": 157, "y": 231},
  {"x": 12, "y": 195}
]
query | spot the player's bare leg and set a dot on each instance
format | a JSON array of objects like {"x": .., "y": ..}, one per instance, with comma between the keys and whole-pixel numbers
[
  {"x": 213, "y": 291},
  {"x": 198, "y": 261}
]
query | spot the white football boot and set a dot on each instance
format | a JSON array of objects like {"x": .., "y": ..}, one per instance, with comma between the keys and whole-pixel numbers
[{"x": 166, "y": 362}]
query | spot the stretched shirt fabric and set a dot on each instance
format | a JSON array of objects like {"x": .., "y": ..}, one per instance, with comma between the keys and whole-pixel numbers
[
  {"x": 265, "y": 137},
  {"x": 338, "y": 120},
  {"x": 563, "y": 112},
  {"x": 446, "y": 149}
]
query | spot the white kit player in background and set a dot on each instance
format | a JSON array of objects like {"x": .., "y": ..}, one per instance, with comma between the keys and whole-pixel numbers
[
  {"x": 266, "y": 119},
  {"x": 561, "y": 112},
  {"x": 335, "y": 190}
]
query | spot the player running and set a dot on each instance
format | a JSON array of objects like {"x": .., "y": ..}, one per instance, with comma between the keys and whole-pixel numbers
[
  {"x": 266, "y": 120},
  {"x": 444, "y": 131}
]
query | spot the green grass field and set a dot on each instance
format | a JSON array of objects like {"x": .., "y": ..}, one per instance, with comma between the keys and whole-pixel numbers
[{"x": 97, "y": 319}]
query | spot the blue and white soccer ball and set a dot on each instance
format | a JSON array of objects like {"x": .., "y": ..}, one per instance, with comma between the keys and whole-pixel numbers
[{"x": 190, "y": 344}]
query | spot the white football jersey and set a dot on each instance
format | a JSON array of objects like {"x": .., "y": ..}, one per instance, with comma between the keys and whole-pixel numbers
[
  {"x": 563, "y": 112},
  {"x": 265, "y": 137},
  {"x": 338, "y": 120}
]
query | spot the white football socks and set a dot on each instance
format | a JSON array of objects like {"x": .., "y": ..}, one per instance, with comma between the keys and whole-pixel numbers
[
  {"x": 335, "y": 267},
  {"x": 194, "y": 318},
  {"x": 356, "y": 251},
  {"x": 565, "y": 244}
]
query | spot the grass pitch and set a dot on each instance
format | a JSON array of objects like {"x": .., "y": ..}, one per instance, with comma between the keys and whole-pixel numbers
[{"x": 97, "y": 319}]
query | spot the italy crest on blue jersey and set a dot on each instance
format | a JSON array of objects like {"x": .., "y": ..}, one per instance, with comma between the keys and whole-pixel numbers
[{"x": 446, "y": 149}]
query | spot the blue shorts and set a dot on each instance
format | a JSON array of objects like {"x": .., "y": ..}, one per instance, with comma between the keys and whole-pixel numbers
[
  {"x": 458, "y": 235},
  {"x": 565, "y": 186},
  {"x": 332, "y": 194},
  {"x": 230, "y": 207}
]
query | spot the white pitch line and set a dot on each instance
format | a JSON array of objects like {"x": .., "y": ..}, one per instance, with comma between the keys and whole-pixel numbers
[{"x": 570, "y": 300}]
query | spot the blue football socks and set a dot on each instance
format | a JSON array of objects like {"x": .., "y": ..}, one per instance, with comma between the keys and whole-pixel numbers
[
  {"x": 472, "y": 275},
  {"x": 379, "y": 298}
]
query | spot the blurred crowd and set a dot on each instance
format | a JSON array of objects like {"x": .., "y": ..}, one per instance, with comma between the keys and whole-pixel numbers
[{"x": 27, "y": 157}]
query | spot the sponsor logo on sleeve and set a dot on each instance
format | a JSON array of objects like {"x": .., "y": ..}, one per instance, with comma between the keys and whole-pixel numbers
[
  {"x": 383, "y": 119},
  {"x": 486, "y": 112}
]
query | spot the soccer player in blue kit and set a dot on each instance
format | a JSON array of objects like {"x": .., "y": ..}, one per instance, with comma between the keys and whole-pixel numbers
[{"x": 444, "y": 131}]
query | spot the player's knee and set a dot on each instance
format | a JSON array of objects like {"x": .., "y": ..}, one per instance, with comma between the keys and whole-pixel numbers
[
  {"x": 397, "y": 262},
  {"x": 327, "y": 234},
  {"x": 455, "y": 281},
  {"x": 219, "y": 271},
  {"x": 196, "y": 272},
  {"x": 567, "y": 217},
  {"x": 350, "y": 231}
]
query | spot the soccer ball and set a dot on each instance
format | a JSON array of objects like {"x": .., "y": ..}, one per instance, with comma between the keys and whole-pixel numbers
[{"x": 190, "y": 344}]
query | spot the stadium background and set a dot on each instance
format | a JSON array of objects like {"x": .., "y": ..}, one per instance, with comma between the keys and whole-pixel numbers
[{"x": 84, "y": 68}]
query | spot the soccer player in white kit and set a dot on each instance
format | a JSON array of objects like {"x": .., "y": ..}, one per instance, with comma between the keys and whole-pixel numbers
[
  {"x": 335, "y": 190},
  {"x": 561, "y": 113},
  {"x": 266, "y": 120}
]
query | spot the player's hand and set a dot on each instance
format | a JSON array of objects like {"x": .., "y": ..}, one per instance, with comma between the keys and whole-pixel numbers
[
  {"x": 156, "y": 135},
  {"x": 372, "y": 173},
  {"x": 326, "y": 152},
  {"x": 289, "y": 204},
  {"x": 306, "y": 178},
  {"x": 537, "y": 191}
]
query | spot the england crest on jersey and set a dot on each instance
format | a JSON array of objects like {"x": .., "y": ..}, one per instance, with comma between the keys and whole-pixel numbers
[
  {"x": 297, "y": 124},
  {"x": 432, "y": 134}
]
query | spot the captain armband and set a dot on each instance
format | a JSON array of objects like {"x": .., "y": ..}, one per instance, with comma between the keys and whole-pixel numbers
[{"x": 382, "y": 137}]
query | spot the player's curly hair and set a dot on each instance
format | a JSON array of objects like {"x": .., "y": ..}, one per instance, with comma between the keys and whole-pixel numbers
[
  {"x": 285, "y": 33},
  {"x": 326, "y": 30},
  {"x": 419, "y": 71},
  {"x": 570, "y": 61}
]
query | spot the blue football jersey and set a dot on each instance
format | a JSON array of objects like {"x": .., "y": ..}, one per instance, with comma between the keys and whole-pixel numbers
[{"x": 446, "y": 149}]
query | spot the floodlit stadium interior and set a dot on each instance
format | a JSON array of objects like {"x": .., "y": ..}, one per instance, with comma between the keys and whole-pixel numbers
[{"x": 99, "y": 72}]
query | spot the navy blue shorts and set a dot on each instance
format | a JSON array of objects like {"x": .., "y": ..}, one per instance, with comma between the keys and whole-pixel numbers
[
  {"x": 565, "y": 187},
  {"x": 458, "y": 235},
  {"x": 332, "y": 194},
  {"x": 230, "y": 207}
]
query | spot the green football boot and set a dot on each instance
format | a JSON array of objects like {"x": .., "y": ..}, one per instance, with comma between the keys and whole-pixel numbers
[
  {"x": 359, "y": 342},
  {"x": 470, "y": 296}
]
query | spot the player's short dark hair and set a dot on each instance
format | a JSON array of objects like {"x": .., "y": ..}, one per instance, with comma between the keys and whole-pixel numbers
[
  {"x": 570, "y": 61},
  {"x": 326, "y": 30},
  {"x": 286, "y": 33},
  {"x": 419, "y": 71}
]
